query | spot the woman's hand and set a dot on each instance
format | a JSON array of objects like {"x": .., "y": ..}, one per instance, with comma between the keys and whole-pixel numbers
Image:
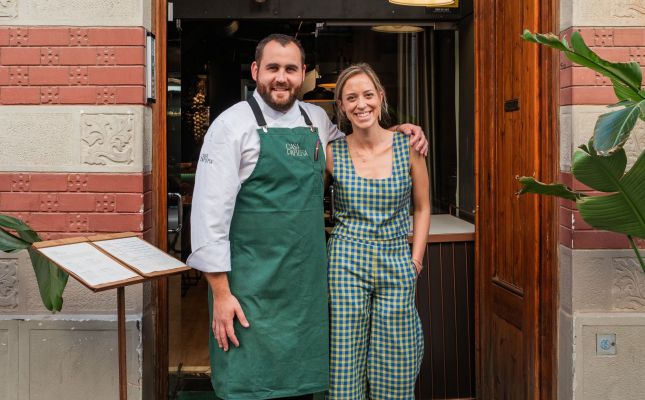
[{"x": 418, "y": 265}]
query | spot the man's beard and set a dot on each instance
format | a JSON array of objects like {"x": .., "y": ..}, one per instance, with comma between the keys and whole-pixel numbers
[{"x": 265, "y": 93}]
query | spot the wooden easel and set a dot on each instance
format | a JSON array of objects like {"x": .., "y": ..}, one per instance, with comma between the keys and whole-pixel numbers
[{"x": 137, "y": 275}]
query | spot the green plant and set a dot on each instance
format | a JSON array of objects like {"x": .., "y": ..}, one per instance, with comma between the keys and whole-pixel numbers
[
  {"x": 51, "y": 279},
  {"x": 601, "y": 163}
]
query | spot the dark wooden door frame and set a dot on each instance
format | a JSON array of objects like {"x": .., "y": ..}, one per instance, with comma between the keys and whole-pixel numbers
[
  {"x": 545, "y": 377},
  {"x": 155, "y": 319}
]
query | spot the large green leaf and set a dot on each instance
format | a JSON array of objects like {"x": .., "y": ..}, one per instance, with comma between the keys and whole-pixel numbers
[
  {"x": 10, "y": 243},
  {"x": 597, "y": 172},
  {"x": 17, "y": 225},
  {"x": 613, "y": 128},
  {"x": 51, "y": 281},
  {"x": 530, "y": 185},
  {"x": 623, "y": 211}
]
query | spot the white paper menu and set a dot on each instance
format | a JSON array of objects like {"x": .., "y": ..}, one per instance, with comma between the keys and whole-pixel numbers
[
  {"x": 140, "y": 255},
  {"x": 88, "y": 263}
]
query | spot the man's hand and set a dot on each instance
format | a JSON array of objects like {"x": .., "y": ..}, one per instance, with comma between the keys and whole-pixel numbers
[
  {"x": 225, "y": 308},
  {"x": 418, "y": 140}
]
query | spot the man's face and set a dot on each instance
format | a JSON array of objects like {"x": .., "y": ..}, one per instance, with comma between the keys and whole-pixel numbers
[{"x": 279, "y": 75}]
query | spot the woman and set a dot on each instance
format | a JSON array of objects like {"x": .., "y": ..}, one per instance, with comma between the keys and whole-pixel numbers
[{"x": 376, "y": 338}]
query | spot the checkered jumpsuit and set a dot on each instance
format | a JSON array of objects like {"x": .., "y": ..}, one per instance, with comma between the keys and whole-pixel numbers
[{"x": 376, "y": 341}]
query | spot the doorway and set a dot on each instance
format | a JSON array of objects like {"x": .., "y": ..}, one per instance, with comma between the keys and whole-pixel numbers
[{"x": 446, "y": 116}]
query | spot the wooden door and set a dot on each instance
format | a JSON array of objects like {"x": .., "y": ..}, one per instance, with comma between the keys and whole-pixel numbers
[{"x": 515, "y": 136}]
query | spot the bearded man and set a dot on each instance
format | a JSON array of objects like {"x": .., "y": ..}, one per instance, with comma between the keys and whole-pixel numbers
[{"x": 258, "y": 233}]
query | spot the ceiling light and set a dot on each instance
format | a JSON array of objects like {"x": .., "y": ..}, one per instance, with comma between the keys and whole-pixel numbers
[
  {"x": 424, "y": 3},
  {"x": 397, "y": 28}
]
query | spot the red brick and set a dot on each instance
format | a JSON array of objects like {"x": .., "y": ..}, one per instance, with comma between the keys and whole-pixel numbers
[
  {"x": 43, "y": 182},
  {"x": 104, "y": 202},
  {"x": 78, "y": 76},
  {"x": 49, "y": 95},
  {"x": 24, "y": 201},
  {"x": 116, "y": 222},
  {"x": 147, "y": 182},
  {"x": 638, "y": 54},
  {"x": 603, "y": 37},
  {"x": 579, "y": 224},
  {"x": 49, "y": 75},
  {"x": 77, "y": 55},
  {"x": 77, "y": 222},
  {"x": 5, "y": 182},
  {"x": 20, "y": 182},
  {"x": 49, "y": 36},
  {"x": 566, "y": 77},
  {"x": 130, "y": 94},
  {"x": 565, "y": 236},
  {"x": 116, "y": 183},
  {"x": 77, "y": 94},
  {"x": 147, "y": 201},
  {"x": 130, "y": 75},
  {"x": 20, "y": 56},
  {"x": 599, "y": 240},
  {"x": 19, "y": 36},
  {"x": 629, "y": 37},
  {"x": 77, "y": 182},
  {"x": 19, "y": 75},
  {"x": 78, "y": 37},
  {"x": 116, "y": 37},
  {"x": 565, "y": 217},
  {"x": 566, "y": 178},
  {"x": 76, "y": 202},
  {"x": 581, "y": 76},
  {"x": 579, "y": 95},
  {"x": 149, "y": 235},
  {"x": 130, "y": 55},
  {"x": 48, "y": 202},
  {"x": 49, "y": 56},
  {"x": 48, "y": 221},
  {"x": 4, "y": 76},
  {"x": 613, "y": 54},
  {"x": 147, "y": 220},
  {"x": 130, "y": 202},
  {"x": 62, "y": 235},
  {"x": 4, "y": 36},
  {"x": 19, "y": 95}
]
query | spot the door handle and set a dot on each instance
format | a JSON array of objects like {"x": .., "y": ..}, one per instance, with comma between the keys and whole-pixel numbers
[{"x": 180, "y": 212}]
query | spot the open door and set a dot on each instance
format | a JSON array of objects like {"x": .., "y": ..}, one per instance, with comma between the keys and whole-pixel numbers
[{"x": 516, "y": 136}]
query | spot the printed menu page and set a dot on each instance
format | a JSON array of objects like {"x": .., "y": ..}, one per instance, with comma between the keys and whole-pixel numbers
[
  {"x": 88, "y": 264},
  {"x": 140, "y": 255}
]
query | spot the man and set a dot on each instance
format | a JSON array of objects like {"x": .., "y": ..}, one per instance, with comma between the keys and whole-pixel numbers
[{"x": 258, "y": 234}]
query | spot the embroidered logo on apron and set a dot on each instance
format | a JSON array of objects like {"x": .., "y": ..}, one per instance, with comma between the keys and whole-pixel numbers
[{"x": 294, "y": 150}]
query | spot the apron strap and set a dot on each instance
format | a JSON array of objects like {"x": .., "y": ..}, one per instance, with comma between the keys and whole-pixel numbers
[
  {"x": 262, "y": 123},
  {"x": 306, "y": 117},
  {"x": 258, "y": 113}
]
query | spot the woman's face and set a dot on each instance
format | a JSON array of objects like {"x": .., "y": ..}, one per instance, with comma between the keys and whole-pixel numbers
[{"x": 361, "y": 102}]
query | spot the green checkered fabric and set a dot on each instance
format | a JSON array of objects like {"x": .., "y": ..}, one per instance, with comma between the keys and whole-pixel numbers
[
  {"x": 376, "y": 341},
  {"x": 374, "y": 209}
]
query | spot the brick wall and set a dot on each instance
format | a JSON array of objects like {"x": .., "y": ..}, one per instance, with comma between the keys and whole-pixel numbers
[
  {"x": 69, "y": 65},
  {"x": 64, "y": 205},
  {"x": 44, "y": 66},
  {"x": 581, "y": 86}
]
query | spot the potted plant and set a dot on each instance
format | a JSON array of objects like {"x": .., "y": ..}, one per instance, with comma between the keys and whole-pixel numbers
[{"x": 601, "y": 164}]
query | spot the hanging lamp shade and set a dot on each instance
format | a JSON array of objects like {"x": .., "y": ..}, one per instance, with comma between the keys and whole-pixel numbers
[
  {"x": 423, "y": 3},
  {"x": 327, "y": 81}
]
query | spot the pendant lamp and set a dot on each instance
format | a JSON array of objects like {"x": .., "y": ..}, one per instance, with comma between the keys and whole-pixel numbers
[{"x": 423, "y": 3}]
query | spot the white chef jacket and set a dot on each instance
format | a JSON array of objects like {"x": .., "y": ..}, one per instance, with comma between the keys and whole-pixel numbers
[{"x": 228, "y": 156}]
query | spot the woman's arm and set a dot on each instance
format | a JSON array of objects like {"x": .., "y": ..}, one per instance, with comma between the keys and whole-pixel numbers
[{"x": 421, "y": 199}]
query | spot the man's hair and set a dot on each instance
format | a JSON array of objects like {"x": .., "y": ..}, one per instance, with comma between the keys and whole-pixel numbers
[{"x": 284, "y": 40}]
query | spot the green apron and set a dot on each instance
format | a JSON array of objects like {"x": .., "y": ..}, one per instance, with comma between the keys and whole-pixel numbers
[{"x": 278, "y": 272}]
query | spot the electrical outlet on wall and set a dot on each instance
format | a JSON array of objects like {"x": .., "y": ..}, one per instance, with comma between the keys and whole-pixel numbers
[{"x": 605, "y": 344}]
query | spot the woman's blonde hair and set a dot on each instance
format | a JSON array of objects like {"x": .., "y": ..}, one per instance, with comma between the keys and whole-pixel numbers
[{"x": 349, "y": 72}]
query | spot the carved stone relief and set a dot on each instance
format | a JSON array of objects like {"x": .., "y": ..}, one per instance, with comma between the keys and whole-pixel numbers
[
  {"x": 107, "y": 139},
  {"x": 8, "y": 8},
  {"x": 629, "y": 8},
  {"x": 629, "y": 285},
  {"x": 8, "y": 281}
]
